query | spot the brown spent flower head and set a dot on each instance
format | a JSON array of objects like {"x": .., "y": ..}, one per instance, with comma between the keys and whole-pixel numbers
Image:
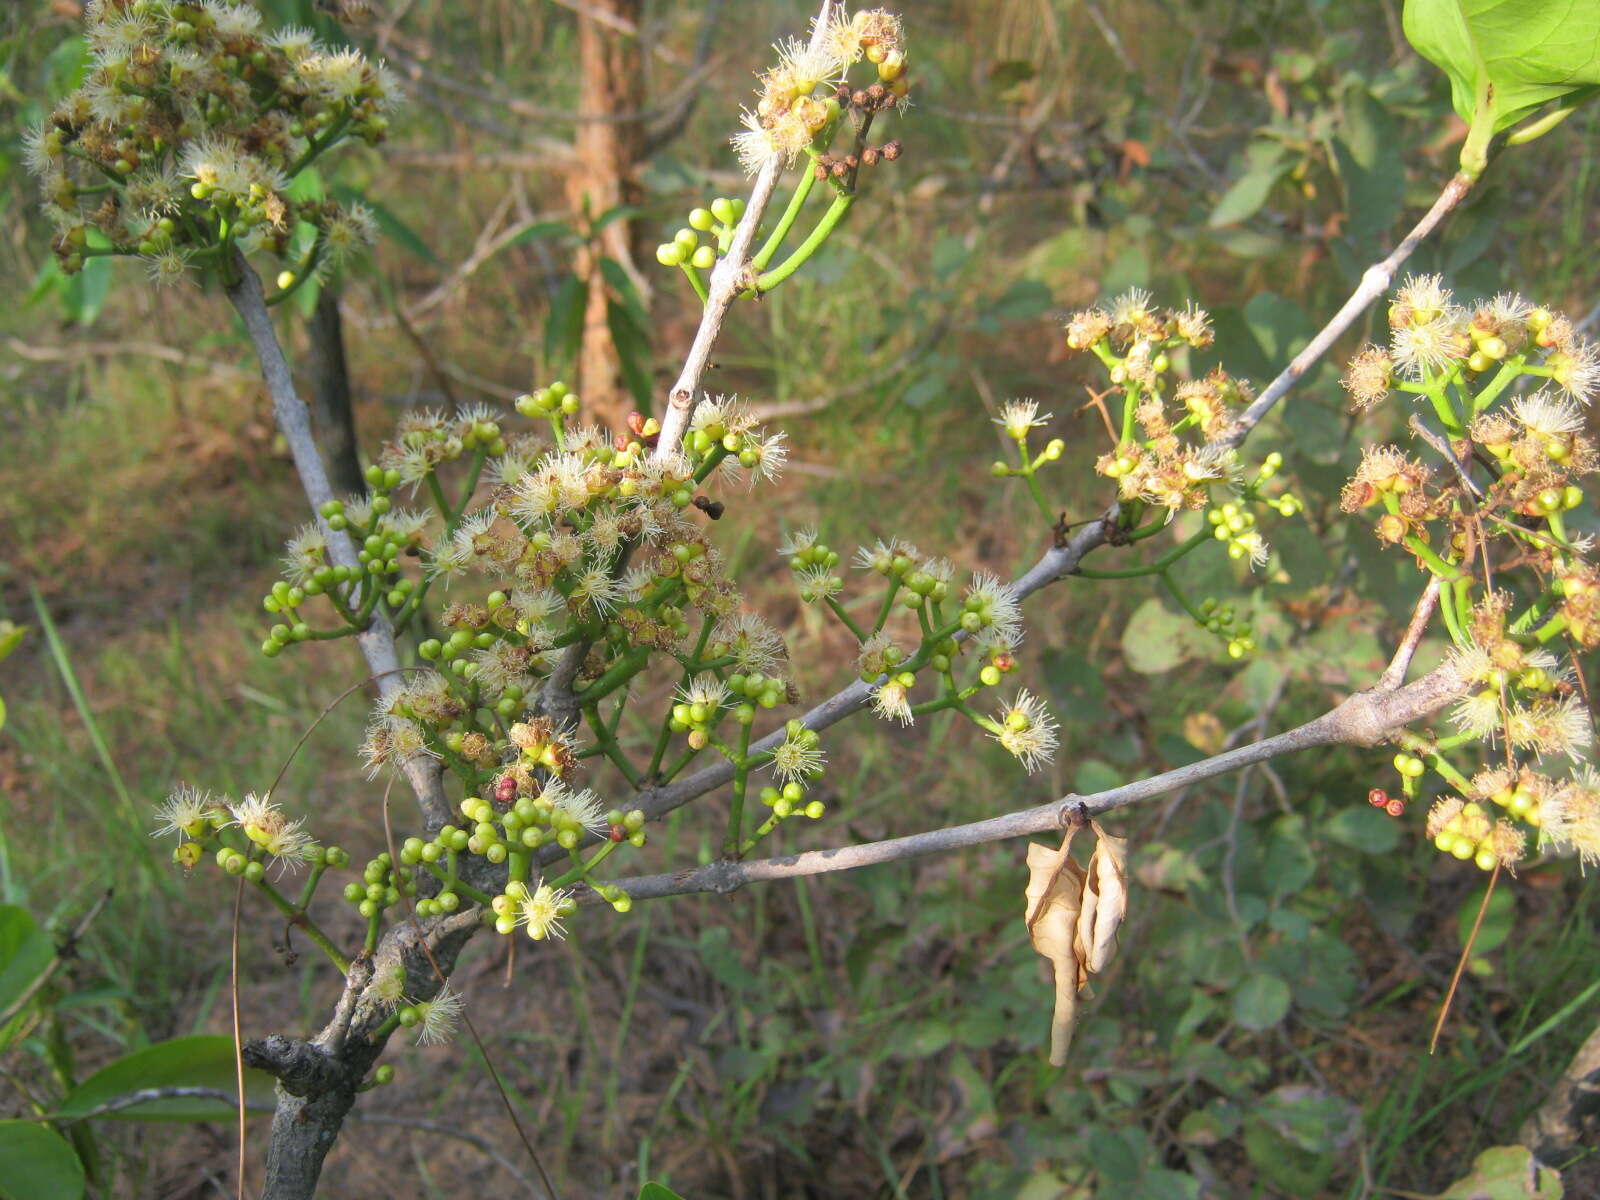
[{"x": 791, "y": 114}]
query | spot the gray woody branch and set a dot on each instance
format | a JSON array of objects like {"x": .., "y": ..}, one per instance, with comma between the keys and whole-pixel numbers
[
  {"x": 318, "y": 1080},
  {"x": 1364, "y": 719},
  {"x": 728, "y": 279},
  {"x": 294, "y": 420}
]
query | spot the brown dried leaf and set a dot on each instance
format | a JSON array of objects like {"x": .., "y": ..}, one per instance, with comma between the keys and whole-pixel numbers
[
  {"x": 1055, "y": 898},
  {"x": 1105, "y": 899}
]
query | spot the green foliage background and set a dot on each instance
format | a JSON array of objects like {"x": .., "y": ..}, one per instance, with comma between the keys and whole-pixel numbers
[{"x": 1264, "y": 1031}]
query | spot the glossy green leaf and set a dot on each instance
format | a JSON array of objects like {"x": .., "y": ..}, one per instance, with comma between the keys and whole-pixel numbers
[
  {"x": 1507, "y": 58},
  {"x": 36, "y": 1163},
  {"x": 1506, "y": 1173},
  {"x": 308, "y": 185},
  {"x": 203, "y": 1060},
  {"x": 633, "y": 354},
  {"x": 1314, "y": 1120},
  {"x": 85, "y": 293},
  {"x": 622, "y": 212},
  {"x": 657, "y": 1191}
]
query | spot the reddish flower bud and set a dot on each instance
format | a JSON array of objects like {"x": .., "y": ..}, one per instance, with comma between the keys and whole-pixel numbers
[
  {"x": 1378, "y": 798},
  {"x": 1395, "y": 807}
]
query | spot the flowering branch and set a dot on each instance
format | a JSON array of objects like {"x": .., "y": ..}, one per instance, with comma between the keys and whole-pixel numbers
[
  {"x": 1364, "y": 719},
  {"x": 1375, "y": 280},
  {"x": 728, "y": 278},
  {"x": 294, "y": 421}
]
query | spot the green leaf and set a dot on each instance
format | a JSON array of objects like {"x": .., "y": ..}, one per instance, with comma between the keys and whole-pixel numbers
[
  {"x": 1265, "y": 163},
  {"x": 1076, "y": 689},
  {"x": 1374, "y": 190},
  {"x": 1157, "y": 640},
  {"x": 11, "y": 636},
  {"x": 307, "y": 185},
  {"x": 1316, "y": 1121},
  {"x": 1094, "y": 776},
  {"x": 2, "y": 712},
  {"x": 26, "y": 953},
  {"x": 1115, "y": 1159},
  {"x": 393, "y": 227},
  {"x": 541, "y": 229},
  {"x": 1024, "y": 300},
  {"x": 633, "y": 354},
  {"x": 657, "y": 1191},
  {"x": 1506, "y": 1173},
  {"x": 1366, "y": 829},
  {"x": 85, "y": 293},
  {"x": 563, "y": 327},
  {"x": 1279, "y": 325},
  {"x": 1260, "y": 1002},
  {"x": 617, "y": 279},
  {"x": 203, "y": 1060},
  {"x": 622, "y": 212},
  {"x": 36, "y": 1163},
  {"x": 65, "y": 66},
  {"x": 1010, "y": 73},
  {"x": 1498, "y": 920},
  {"x": 1507, "y": 58}
]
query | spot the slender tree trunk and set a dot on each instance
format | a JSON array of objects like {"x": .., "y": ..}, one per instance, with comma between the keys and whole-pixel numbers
[
  {"x": 331, "y": 410},
  {"x": 319, "y": 1080},
  {"x": 611, "y": 63}
]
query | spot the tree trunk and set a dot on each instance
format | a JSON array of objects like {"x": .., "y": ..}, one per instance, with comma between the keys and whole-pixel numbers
[
  {"x": 331, "y": 411},
  {"x": 612, "y": 84},
  {"x": 318, "y": 1081}
]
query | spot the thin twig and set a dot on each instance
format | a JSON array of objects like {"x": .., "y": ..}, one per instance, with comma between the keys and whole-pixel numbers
[
  {"x": 1374, "y": 282},
  {"x": 472, "y": 1030},
  {"x": 321, "y": 716},
  {"x": 1395, "y": 673},
  {"x": 149, "y": 1095},
  {"x": 483, "y": 1145},
  {"x": 728, "y": 279},
  {"x": 62, "y": 951},
  {"x": 1461, "y": 963},
  {"x": 238, "y": 1039},
  {"x": 1445, "y": 451}
]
